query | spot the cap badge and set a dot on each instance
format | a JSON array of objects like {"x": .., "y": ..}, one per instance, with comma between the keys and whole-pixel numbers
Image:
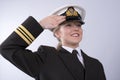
[{"x": 71, "y": 12}]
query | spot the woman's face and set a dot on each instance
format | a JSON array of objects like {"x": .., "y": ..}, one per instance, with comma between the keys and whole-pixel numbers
[{"x": 70, "y": 34}]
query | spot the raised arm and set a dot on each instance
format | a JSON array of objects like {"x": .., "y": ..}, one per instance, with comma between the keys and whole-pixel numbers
[{"x": 14, "y": 47}]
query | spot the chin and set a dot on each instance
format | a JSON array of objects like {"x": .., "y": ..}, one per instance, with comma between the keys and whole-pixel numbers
[{"x": 75, "y": 42}]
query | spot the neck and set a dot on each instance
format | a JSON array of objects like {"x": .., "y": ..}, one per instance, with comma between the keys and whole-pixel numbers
[{"x": 71, "y": 46}]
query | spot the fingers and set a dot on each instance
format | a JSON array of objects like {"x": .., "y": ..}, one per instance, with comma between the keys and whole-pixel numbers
[
  {"x": 61, "y": 19},
  {"x": 52, "y": 21},
  {"x": 58, "y": 19}
]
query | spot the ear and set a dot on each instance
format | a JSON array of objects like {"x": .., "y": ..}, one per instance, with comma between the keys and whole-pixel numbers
[{"x": 57, "y": 34}]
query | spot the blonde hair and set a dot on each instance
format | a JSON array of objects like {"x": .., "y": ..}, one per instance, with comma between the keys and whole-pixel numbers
[{"x": 54, "y": 31}]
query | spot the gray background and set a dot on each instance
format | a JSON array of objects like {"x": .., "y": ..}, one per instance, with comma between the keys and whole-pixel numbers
[{"x": 101, "y": 31}]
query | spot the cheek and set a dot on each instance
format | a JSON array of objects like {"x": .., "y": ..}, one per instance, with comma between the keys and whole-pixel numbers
[
  {"x": 62, "y": 33},
  {"x": 81, "y": 31}
]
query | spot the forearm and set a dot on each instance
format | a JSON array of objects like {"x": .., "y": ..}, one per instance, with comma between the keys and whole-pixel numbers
[
  {"x": 22, "y": 37},
  {"x": 14, "y": 47}
]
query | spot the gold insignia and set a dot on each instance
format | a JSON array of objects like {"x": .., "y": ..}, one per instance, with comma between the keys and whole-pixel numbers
[
  {"x": 25, "y": 34},
  {"x": 71, "y": 12}
]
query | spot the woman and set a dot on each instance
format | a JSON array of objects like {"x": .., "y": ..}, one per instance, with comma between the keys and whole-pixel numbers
[{"x": 49, "y": 63}]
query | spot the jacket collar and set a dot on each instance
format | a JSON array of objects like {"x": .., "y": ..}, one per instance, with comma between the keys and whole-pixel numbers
[{"x": 68, "y": 61}]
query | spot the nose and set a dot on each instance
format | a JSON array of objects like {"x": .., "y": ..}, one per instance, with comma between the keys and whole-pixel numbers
[{"x": 76, "y": 27}]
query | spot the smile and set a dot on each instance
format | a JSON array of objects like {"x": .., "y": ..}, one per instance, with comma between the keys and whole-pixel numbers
[{"x": 75, "y": 35}]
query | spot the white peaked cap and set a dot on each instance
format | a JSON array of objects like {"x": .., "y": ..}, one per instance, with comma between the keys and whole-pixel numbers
[{"x": 78, "y": 8}]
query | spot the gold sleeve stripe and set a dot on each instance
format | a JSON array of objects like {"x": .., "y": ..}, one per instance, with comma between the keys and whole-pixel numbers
[
  {"x": 20, "y": 30},
  {"x": 23, "y": 37},
  {"x": 27, "y": 32}
]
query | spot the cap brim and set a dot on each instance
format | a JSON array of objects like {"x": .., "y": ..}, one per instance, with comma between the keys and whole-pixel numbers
[{"x": 72, "y": 21}]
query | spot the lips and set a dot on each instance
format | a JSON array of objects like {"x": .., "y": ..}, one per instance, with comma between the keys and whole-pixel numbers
[{"x": 75, "y": 35}]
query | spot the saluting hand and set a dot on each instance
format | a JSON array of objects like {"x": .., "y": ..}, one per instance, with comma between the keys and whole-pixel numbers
[{"x": 51, "y": 21}]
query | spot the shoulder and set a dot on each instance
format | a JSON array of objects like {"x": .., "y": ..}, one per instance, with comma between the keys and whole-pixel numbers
[
  {"x": 47, "y": 49},
  {"x": 90, "y": 59}
]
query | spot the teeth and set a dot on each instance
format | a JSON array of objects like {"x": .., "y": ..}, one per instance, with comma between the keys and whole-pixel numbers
[{"x": 75, "y": 35}]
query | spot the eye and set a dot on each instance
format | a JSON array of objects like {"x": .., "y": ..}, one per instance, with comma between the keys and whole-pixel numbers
[
  {"x": 68, "y": 25},
  {"x": 78, "y": 25}
]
